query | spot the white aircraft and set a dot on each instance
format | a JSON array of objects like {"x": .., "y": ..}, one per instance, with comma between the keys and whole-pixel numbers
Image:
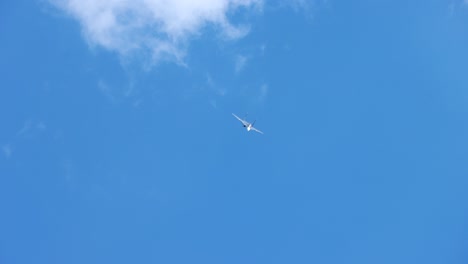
[{"x": 247, "y": 125}]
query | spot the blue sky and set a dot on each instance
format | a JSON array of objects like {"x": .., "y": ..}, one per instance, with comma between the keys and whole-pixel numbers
[{"x": 118, "y": 144}]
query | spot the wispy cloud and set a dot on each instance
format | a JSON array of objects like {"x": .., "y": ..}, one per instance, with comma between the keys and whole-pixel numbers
[
  {"x": 7, "y": 150},
  {"x": 31, "y": 127},
  {"x": 209, "y": 81},
  {"x": 212, "y": 90},
  {"x": 213, "y": 87},
  {"x": 262, "y": 49},
  {"x": 451, "y": 9},
  {"x": 456, "y": 5},
  {"x": 299, "y": 4},
  {"x": 30, "y": 130},
  {"x": 159, "y": 28},
  {"x": 25, "y": 128},
  {"x": 307, "y": 8},
  {"x": 41, "y": 126},
  {"x": 263, "y": 92},
  {"x": 68, "y": 169},
  {"x": 308, "y": 5},
  {"x": 240, "y": 63},
  {"x": 106, "y": 90},
  {"x": 120, "y": 93}
]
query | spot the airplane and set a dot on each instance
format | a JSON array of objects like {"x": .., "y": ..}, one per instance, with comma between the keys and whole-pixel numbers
[{"x": 247, "y": 125}]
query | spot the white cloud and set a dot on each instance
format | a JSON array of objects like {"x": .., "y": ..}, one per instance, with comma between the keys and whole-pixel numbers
[
  {"x": 240, "y": 63},
  {"x": 160, "y": 28}
]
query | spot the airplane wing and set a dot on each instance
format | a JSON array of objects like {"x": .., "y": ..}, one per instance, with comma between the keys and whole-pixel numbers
[
  {"x": 256, "y": 130},
  {"x": 245, "y": 123}
]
